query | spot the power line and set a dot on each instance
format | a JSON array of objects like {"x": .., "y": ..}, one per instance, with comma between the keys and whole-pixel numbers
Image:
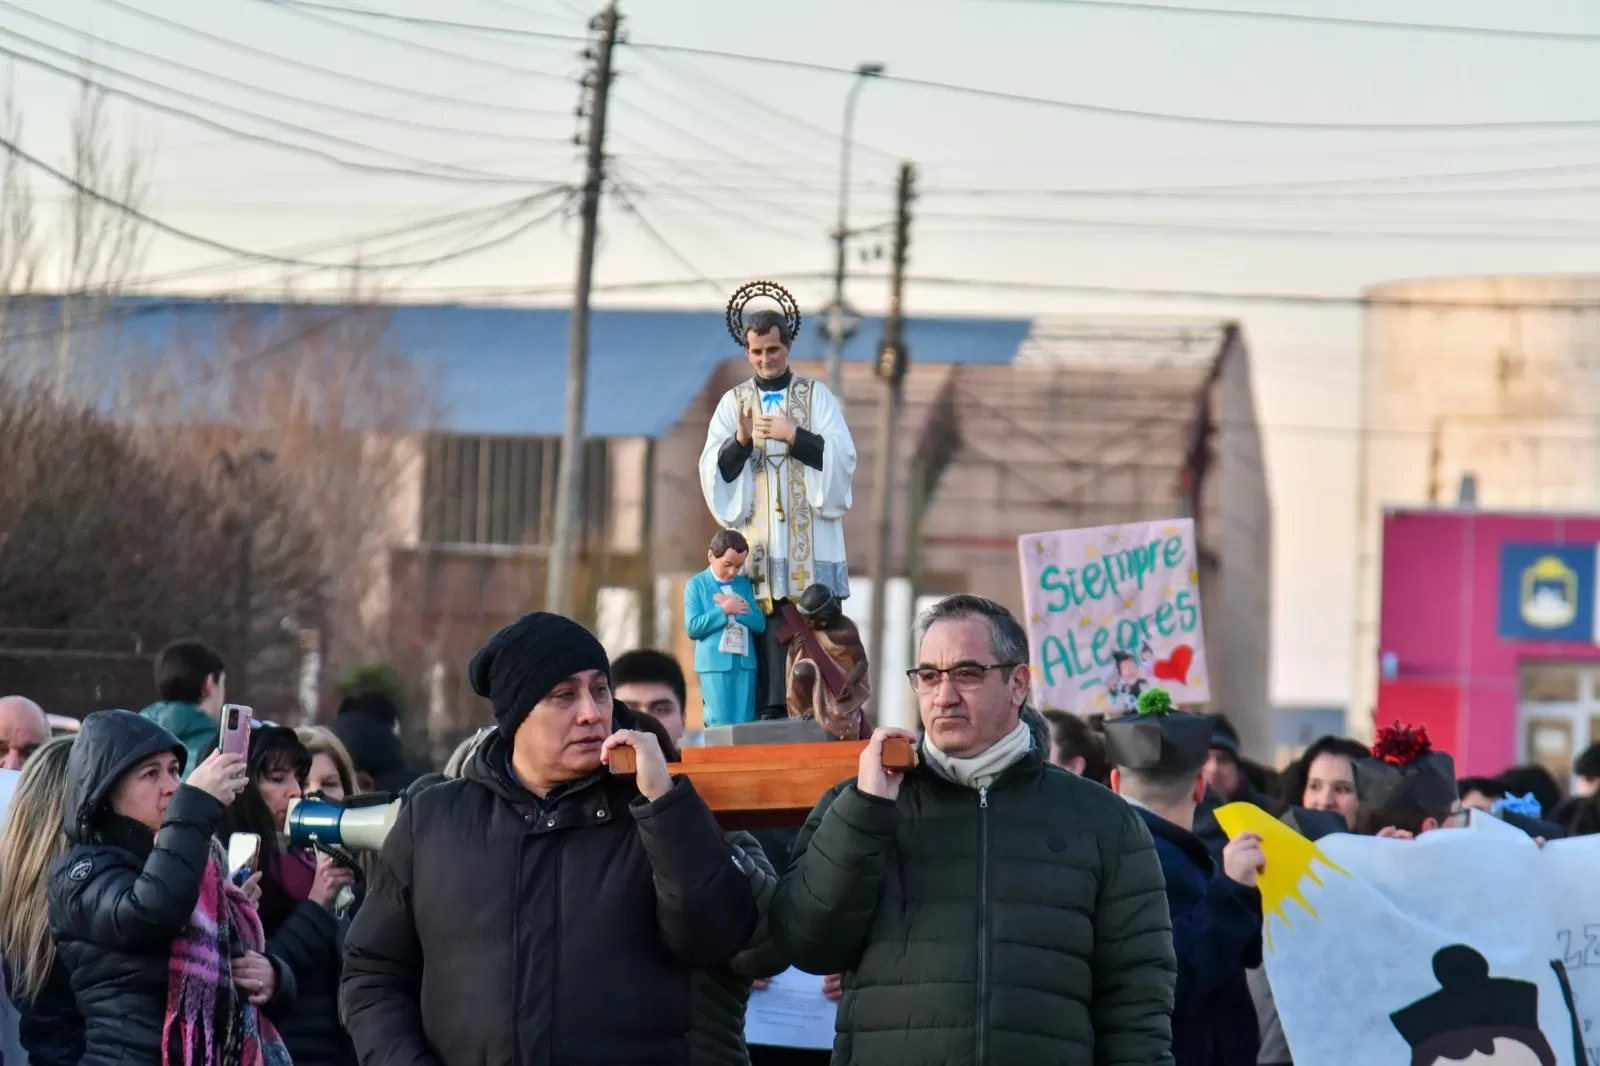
[
  {"x": 1293, "y": 299},
  {"x": 301, "y": 101},
  {"x": 724, "y": 209},
  {"x": 499, "y": 211},
  {"x": 464, "y": 175},
  {"x": 1308, "y": 185},
  {"x": 970, "y": 90},
  {"x": 199, "y": 239},
  {"x": 212, "y": 371},
  {"x": 737, "y": 94},
  {"x": 311, "y": 11},
  {"x": 1231, "y": 229},
  {"x": 1330, "y": 20},
  {"x": 661, "y": 241},
  {"x": 327, "y": 72}
]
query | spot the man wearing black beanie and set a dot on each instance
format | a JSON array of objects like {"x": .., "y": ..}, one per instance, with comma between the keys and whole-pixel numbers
[{"x": 541, "y": 909}]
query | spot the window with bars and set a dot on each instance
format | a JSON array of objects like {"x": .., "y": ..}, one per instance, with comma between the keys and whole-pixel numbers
[{"x": 501, "y": 491}]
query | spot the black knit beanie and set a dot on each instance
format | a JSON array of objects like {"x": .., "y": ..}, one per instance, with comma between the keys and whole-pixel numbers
[{"x": 525, "y": 660}]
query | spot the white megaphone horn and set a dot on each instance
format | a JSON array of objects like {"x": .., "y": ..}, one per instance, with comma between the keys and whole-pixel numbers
[{"x": 359, "y": 823}]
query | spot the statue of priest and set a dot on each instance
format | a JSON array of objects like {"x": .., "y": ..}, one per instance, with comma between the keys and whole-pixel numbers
[{"x": 777, "y": 466}]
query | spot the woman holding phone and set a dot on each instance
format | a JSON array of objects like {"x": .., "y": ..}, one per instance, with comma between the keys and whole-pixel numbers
[
  {"x": 145, "y": 886},
  {"x": 298, "y": 895}
]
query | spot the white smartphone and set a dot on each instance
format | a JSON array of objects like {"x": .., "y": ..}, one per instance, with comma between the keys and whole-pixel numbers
[{"x": 244, "y": 850}]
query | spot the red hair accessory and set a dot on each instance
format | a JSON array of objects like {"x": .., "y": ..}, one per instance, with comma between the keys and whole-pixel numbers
[{"x": 1401, "y": 745}]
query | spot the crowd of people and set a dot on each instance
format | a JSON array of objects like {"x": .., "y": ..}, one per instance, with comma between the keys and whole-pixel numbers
[{"x": 1039, "y": 888}]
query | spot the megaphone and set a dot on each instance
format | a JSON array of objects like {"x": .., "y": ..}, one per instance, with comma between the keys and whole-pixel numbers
[{"x": 359, "y": 823}]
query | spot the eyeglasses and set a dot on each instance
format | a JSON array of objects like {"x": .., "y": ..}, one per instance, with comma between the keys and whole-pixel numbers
[{"x": 965, "y": 676}]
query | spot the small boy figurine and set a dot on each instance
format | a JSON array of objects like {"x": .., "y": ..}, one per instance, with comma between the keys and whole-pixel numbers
[{"x": 719, "y": 609}]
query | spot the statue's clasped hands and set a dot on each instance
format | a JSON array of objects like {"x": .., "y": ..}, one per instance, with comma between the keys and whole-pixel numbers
[{"x": 731, "y": 604}]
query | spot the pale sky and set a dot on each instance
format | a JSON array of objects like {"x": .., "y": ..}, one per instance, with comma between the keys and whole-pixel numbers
[{"x": 734, "y": 166}]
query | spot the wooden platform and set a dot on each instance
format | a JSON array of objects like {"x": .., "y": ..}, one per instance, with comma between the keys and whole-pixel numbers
[{"x": 767, "y": 786}]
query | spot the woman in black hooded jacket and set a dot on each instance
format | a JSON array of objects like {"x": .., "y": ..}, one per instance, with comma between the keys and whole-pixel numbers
[
  {"x": 142, "y": 880},
  {"x": 298, "y": 893}
]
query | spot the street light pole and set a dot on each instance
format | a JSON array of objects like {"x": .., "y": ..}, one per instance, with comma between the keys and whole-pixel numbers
[{"x": 841, "y": 232}]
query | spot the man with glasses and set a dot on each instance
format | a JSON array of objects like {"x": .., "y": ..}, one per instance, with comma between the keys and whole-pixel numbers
[{"x": 986, "y": 907}]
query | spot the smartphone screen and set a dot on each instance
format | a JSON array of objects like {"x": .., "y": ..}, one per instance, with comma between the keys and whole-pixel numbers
[
  {"x": 244, "y": 849},
  {"x": 235, "y": 736}
]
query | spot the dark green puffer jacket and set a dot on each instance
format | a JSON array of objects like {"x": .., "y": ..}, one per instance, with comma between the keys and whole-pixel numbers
[
  {"x": 1021, "y": 925},
  {"x": 720, "y": 996}
]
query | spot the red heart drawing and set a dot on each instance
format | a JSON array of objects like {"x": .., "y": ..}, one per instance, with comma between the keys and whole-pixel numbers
[{"x": 1177, "y": 667}]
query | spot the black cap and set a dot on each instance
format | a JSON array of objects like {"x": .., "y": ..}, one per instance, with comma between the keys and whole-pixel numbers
[
  {"x": 1468, "y": 998},
  {"x": 525, "y": 660},
  {"x": 1405, "y": 773},
  {"x": 1155, "y": 737}
]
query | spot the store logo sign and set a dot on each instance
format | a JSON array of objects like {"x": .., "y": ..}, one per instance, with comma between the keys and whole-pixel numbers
[{"x": 1547, "y": 591}]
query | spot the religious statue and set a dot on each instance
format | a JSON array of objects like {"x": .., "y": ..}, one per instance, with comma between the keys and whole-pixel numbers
[
  {"x": 720, "y": 614},
  {"x": 828, "y": 672},
  {"x": 777, "y": 466}
]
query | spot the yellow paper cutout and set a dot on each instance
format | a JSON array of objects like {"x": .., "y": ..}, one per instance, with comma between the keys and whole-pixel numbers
[{"x": 1289, "y": 860}]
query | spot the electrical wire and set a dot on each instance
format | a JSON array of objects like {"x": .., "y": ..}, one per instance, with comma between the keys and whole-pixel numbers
[
  {"x": 1305, "y": 185},
  {"x": 1230, "y": 229},
  {"x": 458, "y": 175},
  {"x": 1331, "y": 20},
  {"x": 971, "y": 90},
  {"x": 261, "y": 90},
  {"x": 311, "y": 11},
  {"x": 329, "y": 72},
  {"x": 661, "y": 241},
  {"x": 207, "y": 242},
  {"x": 417, "y": 227},
  {"x": 727, "y": 92},
  {"x": 1290, "y": 299},
  {"x": 212, "y": 371},
  {"x": 627, "y": 104},
  {"x": 723, "y": 209}
]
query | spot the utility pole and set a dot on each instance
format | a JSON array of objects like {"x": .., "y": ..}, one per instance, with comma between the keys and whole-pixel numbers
[
  {"x": 894, "y": 360},
  {"x": 563, "y": 554},
  {"x": 840, "y": 323}
]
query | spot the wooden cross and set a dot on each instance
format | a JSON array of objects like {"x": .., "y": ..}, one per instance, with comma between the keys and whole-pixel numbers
[{"x": 793, "y": 628}]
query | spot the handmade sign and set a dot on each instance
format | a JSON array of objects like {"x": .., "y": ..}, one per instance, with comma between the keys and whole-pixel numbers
[
  {"x": 1112, "y": 611},
  {"x": 1462, "y": 945}
]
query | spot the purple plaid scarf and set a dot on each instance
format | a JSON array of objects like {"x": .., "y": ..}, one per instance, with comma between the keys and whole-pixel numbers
[{"x": 209, "y": 1022}]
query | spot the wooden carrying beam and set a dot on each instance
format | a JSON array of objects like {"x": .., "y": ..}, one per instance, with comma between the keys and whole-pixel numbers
[{"x": 765, "y": 786}]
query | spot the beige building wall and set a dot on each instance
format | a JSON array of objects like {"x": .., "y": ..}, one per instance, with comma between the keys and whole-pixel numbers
[
  {"x": 1500, "y": 383},
  {"x": 1236, "y": 531}
]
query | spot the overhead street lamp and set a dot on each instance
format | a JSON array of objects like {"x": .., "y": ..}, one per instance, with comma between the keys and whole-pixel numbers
[{"x": 838, "y": 332}]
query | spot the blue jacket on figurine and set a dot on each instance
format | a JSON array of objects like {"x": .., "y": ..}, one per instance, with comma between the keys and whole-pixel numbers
[{"x": 705, "y": 622}]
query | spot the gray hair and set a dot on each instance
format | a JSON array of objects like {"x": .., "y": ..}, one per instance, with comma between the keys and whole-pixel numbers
[
  {"x": 1007, "y": 638},
  {"x": 1158, "y": 788}
]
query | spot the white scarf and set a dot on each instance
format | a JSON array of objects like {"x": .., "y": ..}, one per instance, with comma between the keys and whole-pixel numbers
[{"x": 984, "y": 768}]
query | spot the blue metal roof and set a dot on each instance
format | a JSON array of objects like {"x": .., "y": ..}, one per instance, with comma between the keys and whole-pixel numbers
[{"x": 503, "y": 370}]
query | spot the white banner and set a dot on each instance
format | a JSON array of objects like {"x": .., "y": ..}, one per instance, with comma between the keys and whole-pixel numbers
[
  {"x": 1440, "y": 947},
  {"x": 1111, "y": 611}
]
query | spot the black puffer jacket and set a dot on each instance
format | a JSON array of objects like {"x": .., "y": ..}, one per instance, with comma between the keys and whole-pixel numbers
[
  {"x": 1021, "y": 923},
  {"x": 49, "y": 1028},
  {"x": 120, "y": 895},
  {"x": 500, "y": 928},
  {"x": 311, "y": 941},
  {"x": 721, "y": 995}
]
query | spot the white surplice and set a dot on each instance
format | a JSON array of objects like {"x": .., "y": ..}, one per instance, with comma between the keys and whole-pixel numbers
[{"x": 792, "y": 514}]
